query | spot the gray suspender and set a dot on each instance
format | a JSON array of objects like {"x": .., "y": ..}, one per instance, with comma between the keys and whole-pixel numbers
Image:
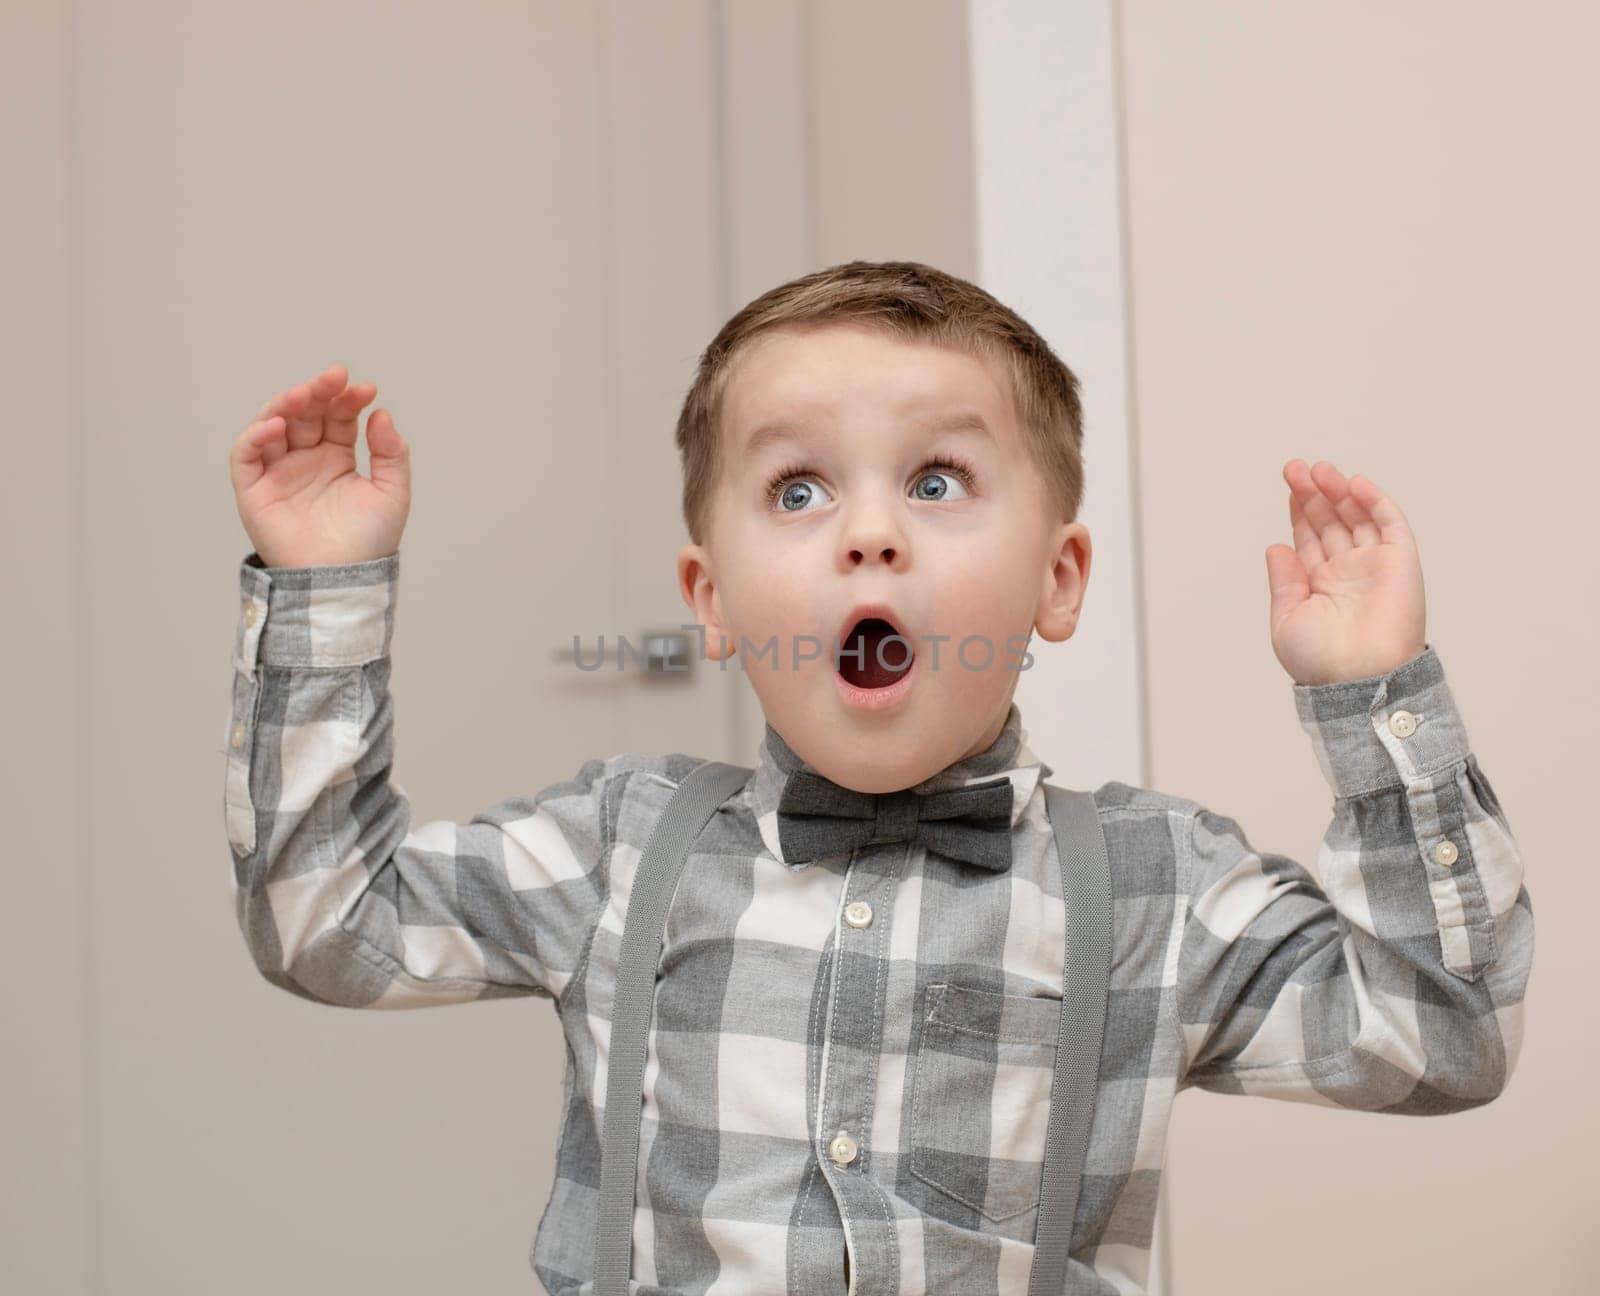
[
  {"x": 1086, "y": 884},
  {"x": 687, "y": 813}
]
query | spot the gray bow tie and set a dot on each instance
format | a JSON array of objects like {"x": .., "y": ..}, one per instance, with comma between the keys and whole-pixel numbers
[{"x": 818, "y": 817}]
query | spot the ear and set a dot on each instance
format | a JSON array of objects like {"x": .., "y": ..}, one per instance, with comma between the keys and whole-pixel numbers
[
  {"x": 1065, "y": 581},
  {"x": 697, "y": 584}
]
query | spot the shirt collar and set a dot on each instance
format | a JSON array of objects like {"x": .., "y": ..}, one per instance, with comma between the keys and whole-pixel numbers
[{"x": 1009, "y": 755}]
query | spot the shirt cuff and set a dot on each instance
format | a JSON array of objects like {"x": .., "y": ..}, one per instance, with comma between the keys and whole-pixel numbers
[
  {"x": 336, "y": 615},
  {"x": 1384, "y": 731}
]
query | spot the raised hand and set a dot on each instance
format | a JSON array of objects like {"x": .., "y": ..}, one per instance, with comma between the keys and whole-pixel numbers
[
  {"x": 1347, "y": 599},
  {"x": 302, "y": 502}
]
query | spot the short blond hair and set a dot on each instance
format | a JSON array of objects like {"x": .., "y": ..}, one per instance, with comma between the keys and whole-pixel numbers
[{"x": 908, "y": 300}]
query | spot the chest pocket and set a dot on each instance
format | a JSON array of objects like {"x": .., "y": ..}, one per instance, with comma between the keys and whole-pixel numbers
[{"x": 980, "y": 1096}]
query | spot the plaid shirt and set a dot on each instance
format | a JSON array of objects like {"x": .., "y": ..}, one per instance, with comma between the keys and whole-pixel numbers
[{"x": 902, "y": 998}]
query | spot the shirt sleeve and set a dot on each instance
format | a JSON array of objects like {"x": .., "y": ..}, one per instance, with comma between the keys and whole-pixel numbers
[
  {"x": 1395, "y": 984},
  {"x": 340, "y": 899}
]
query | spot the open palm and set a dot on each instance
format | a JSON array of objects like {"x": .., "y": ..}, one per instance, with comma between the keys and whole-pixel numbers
[
  {"x": 301, "y": 500},
  {"x": 1347, "y": 599}
]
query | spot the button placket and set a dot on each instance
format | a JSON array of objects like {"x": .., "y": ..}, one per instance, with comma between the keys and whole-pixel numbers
[
  {"x": 247, "y": 637},
  {"x": 843, "y": 1148},
  {"x": 852, "y": 1042},
  {"x": 1402, "y": 724}
]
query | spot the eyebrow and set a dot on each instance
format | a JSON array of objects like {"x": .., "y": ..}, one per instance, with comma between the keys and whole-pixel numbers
[{"x": 781, "y": 430}]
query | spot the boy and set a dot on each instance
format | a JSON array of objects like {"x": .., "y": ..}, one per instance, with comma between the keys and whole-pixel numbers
[{"x": 852, "y": 1048}]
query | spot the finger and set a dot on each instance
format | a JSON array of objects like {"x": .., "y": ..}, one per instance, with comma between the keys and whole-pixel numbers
[
  {"x": 341, "y": 423},
  {"x": 303, "y": 405},
  {"x": 1287, "y": 584},
  {"x": 1391, "y": 522},
  {"x": 1319, "y": 512},
  {"x": 1351, "y": 511},
  {"x": 391, "y": 456},
  {"x": 274, "y": 442},
  {"x": 248, "y": 458},
  {"x": 1307, "y": 543},
  {"x": 307, "y": 428}
]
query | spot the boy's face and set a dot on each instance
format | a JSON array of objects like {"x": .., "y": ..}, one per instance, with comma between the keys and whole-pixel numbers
[{"x": 832, "y": 496}]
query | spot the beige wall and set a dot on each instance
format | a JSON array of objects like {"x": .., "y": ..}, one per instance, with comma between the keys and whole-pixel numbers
[
  {"x": 49, "y": 1069},
  {"x": 1365, "y": 232}
]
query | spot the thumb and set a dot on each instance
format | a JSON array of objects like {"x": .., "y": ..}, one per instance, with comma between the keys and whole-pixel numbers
[
  {"x": 391, "y": 456},
  {"x": 1286, "y": 578}
]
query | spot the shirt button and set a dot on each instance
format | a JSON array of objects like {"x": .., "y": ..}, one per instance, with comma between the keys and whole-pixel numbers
[
  {"x": 858, "y": 914},
  {"x": 842, "y": 1149},
  {"x": 238, "y": 735},
  {"x": 1445, "y": 852},
  {"x": 1402, "y": 724},
  {"x": 250, "y": 612}
]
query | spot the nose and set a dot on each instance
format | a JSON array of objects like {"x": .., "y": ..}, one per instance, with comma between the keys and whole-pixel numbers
[{"x": 873, "y": 534}]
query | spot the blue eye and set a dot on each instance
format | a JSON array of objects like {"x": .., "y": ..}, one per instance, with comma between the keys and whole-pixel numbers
[
  {"x": 799, "y": 492},
  {"x": 937, "y": 493}
]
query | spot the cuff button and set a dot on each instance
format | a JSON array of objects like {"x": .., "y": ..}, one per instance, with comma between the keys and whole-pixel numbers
[
  {"x": 1402, "y": 724},
  {"x": 238, "y": 735}
]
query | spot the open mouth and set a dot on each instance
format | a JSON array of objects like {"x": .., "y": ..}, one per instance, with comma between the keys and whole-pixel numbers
[{"x": 874, "y": 655}]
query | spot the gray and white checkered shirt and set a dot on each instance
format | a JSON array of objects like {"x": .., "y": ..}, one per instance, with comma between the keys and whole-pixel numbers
[{"x": 905, "y": 999}]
